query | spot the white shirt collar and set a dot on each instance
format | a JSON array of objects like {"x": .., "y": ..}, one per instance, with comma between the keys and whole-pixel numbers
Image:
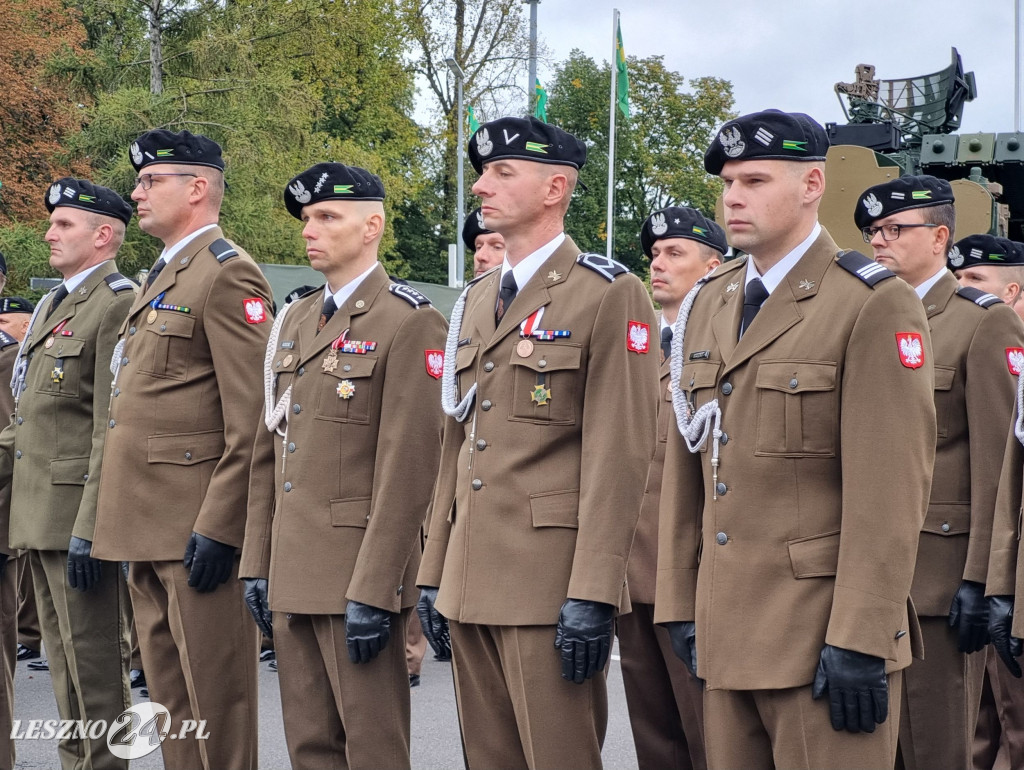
[
  {"x": 170, "y": 251},
  {"x": 779, "y": 270},
  {"x": 525, "y": 269},
  {"x": 925, "y": 287},
  {"x": 75, "y": 281},
  {"x": 342, "y": 295}
]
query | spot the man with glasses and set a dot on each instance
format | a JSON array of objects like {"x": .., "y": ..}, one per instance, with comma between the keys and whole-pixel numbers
[
  {"x": 183, "y": 418},
  {"x": 977, "y": 343}
]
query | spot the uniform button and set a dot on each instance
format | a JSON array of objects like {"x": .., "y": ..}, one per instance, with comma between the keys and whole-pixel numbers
[
  {"x": 17, "y": 455},
  {"x": 21, "y": 420},
  {"x": 477, "y": 484},
  {"x": 163, "y": 327},
  {"x": 793, "y": 383},
  {"x": 85, "y": 477},
  {"x": 302, "y": 370},
  {"x": 117, "y": 391},
  {"x": 945, "y": 526},
  {"x": 188, "y": 455},
  {"x": 481, "y": 444},
  {"x": 132, "y": 330},
  {"x": 112, "y": 423},
  {"x": 399, "y": 591},
  {"x": 124, "y": 360},
  {"x": 489, "y": 366},
  {"x": 347, "y": 368},
  {"x": 721, "y": 538},
  {"x": 724, "y": 439},
  {"x": 542, "y": 363},
  {"x": 287, "y": 486},
  {"x": 486, "y": 406},
  {"x": 726, "y": 388},
  {"x": 296, "y": 408},
  {"x": 291, "y": 447},
  {"x": 721, "y": 488}
]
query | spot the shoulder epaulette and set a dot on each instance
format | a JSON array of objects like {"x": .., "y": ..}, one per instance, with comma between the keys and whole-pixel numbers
[
  {"x": 409, "y": 294},
  {"x": 6, "y": 340},
  {"x": 864, "y": 268},
  {"x": 118, "y": 282},
  {"x": 978, "y": 297},
  {"x": 223, "y": 250},
  {"x": 609, "y": 268}
]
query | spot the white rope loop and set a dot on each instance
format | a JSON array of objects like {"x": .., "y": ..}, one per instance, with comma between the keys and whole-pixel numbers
[
  {"x": 449, "y": 389},
  {"x": 1018, "y": 428},
  {"x": 694, "y": 426},
  {"x": 275, "y": 415}
]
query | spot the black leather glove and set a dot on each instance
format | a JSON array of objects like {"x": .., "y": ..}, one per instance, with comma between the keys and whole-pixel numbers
[
  {"x": 857, "y": 688},
  {"x": 210, "y": 562},
  {"x": 969, "y": 615},
  {"x": 435, "y": 625},
  {"x": 584, "y": 637},
  {"x": 3, "y": 564},
  {"x": 683, "y": 634},
  {"x": 258, "y": 604},
  {"x": 83, "y": 570},
  {"x": 367, "y": 630},
  {"x": 1000, "y": 620}
]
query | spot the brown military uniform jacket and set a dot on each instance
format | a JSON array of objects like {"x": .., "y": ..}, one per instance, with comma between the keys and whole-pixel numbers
[
  {"x": 538, "y": 497},
  {"x": 824, "y": 474},
  {"x": 183, "y": 411},
  {"x": 52, "y": 451},
  {"x": 356, "y": 469},
  {"x": 8, "y": 355},
  {"x": 974, "y": 394}
]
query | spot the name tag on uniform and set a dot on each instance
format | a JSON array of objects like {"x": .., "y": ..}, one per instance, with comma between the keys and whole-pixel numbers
[{"x": 700, "y": 355}]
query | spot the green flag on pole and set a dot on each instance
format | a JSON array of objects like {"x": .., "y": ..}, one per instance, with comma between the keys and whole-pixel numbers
[
  {"x": 541, "y": 110},
  {"x": 474, "y": 124},
  {"x": 622, "y": 77}
]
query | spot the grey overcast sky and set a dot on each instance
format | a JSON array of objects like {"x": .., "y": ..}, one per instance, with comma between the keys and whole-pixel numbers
[{"x": 788, "y": 55}]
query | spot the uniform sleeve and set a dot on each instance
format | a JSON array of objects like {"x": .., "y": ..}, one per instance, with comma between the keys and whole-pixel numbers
[
  {"x": 7, "y": 358},
  {"x": 406, "y": 463},
  {"x": 107, "y": 335},
  {"x": 620, "y": 424},
  {"x": 1002, "y": 563},
  {"x": 260, "y": 511},
  {"x": 237, "y": 349},
  {"x": 439, "y": 526},
  {"x": 991, "y": 391},
  {"x": 888, "y": 440}
]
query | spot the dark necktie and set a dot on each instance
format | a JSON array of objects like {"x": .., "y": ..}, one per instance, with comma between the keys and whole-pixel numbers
[
  {"x": 753, "y": 297},
  {"x": 328, "y": 310},
  {"x": 506, "y": 294},
  {"x": 666, "y": 342},
  {"x": 154, "y": 272},
  {"x": 58, "y": 296}
]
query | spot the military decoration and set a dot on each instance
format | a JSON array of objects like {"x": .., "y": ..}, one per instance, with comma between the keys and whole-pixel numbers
[
  {"x": 434, "y": 360},
  {"x": 910, "y": 348},
  {"x": 57, "y": 375},
  {"x": 346, "y": 389},
  {"x": 58, "y": 330},
  {"x": 524, "y": 348},
  {"x": 1015, "y": 360},
  {"x": 638, "y": 337},
  {"x": 254, "y": 311},
  {"x": 540, "y": 395}
]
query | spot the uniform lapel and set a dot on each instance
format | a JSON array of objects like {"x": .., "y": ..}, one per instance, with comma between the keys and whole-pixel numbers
[
  {"x": 360, "y": 302},
  {"x": 184, "y": 259},
  {"x": 69, "y": 307},
  {"x": 726, "y": 322},
  {"x": 939, "y": 295}
]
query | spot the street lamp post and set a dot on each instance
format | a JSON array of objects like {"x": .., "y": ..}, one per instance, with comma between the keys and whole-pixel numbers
[{"x": 460, "y": 266}]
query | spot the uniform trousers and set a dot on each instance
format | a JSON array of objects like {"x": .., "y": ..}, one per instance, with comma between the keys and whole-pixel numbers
[
  {"x": 941, "y": 698},
  {"x": 199, "y": 652},
  {"x": 754, "y": 729},
  {"x": 415, "y": 646},
  {"x": 86, "y": 639},
  {"x": 515, "y": 710},
  {"x": 999, "y": 739},
  {"x": 665, "y": 701},
  {"x": 28, "y": 619},
  {"x": 8, "y": 659},
  {"x": 340, "y": 714}
]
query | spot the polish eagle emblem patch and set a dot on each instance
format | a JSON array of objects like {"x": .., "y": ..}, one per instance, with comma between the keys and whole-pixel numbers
[
  {"x": 434, "y": 362},
  {"x": 911, "y": 349},
  {"x": 638, "y": 337},
  {"x": 1015, "y": 360},
  {"x": 254, "y": 311}
]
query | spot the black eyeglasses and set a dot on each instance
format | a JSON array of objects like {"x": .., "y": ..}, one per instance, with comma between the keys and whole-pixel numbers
[
  {"x": 889, "y": 232},
  {"x": 146, "y": 180}
]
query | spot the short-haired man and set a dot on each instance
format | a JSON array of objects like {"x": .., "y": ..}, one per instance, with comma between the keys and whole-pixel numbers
[
  {"x": 977, "y": 343},
  {"x": 52, "y": 453},
  {"x": 353, "y": 381},
  {"x": 990, "y": 264},
  {"x": 550, "y": 384},
  {"x": 179, "y": 453},
  {"x": 488, "y": 247},
  {"x": 798, "y": 372}
]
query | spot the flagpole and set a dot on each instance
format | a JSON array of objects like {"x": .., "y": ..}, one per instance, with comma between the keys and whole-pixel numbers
[{"x": 611, "y": 132}]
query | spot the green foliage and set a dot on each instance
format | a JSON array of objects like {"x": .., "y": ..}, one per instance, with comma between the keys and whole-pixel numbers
[{"x": 27, "y": 256}]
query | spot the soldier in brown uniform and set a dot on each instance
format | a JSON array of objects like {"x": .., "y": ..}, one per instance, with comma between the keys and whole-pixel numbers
[
  {"x": 552, "y": 431},
  {"x": 793, "y": 568},
  {"x": 353, "y": 380},
  {"x": 52, "y": 452},
  {"x": 488, "y": 247},
  {"x": 663, "y": 697},
  {"x": 179, "y": 448},
  {"x": 991, "y": 264},
  {"x": 977, "y": 343}
]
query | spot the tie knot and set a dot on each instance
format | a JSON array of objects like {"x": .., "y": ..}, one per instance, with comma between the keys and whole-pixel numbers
[
  {"x": 330, "y": 306},
  {"x": 666, "y": 334},
  {"x": 508, "y": 282},
  {"x": 755, "y": 293}
]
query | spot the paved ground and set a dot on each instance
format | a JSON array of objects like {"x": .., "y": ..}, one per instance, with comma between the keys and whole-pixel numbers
[{"x": 435, "y": 730}]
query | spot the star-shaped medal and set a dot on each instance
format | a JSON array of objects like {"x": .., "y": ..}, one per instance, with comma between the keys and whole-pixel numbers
[
  {"x": 540, "y": 395},
  {"x": 57, "y": 374}
]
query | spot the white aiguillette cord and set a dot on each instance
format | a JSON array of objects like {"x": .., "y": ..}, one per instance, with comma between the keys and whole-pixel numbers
[
  {"x": 1018, "y": 427},
  {"x": 21, "y": 362},
  {"x": 275, "y": 414},
  {"x": 449, "y": 391}
]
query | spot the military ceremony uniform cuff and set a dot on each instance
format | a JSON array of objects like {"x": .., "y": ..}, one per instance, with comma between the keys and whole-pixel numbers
[
  {"x": 867, "y": 623},
  {"x": 1002, "y": 572},
  {"x": 597, "y": 577},
  {"x": 675, "y": 596}
]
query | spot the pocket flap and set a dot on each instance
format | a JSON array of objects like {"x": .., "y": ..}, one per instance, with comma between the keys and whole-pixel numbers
[
  {"x": 948, "y": 519},
  {"x": 549, "y": 357},
  {"x": 350, "y": 512},
  {"x": 464, "y": 356},
  {"x": 351, "y": 366},
  {"x": 186, "y": 448},
  {"x": 944, "y": 376},
  {"x": 171, "y": 324},
  {"x": 556, "y": 509},
  {"x": 796, "y": 376},
  {"x": 815, "y": 556},
  {"x": 699, "y": 374},
  {"x": 64, "y": 347},
  {"x": 69, "y": 470}
]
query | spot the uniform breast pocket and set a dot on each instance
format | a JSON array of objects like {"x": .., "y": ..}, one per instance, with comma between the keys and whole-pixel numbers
[
  {"x": 347, "y": 392},
  {"x": 166, "y": 345},
  {"x": 697, "y": 383},
  {"x": 62, "y": 368},
  {"x": 797, "y": 410},
  {"x": 545, "y": 384},
  {"x": 944, "y": 377}
]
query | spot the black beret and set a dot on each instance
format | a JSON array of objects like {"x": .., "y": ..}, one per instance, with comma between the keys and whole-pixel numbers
[
  {"x": 331, "y": 181},
  {"x": 768, "y": 135},
  {"x": 525, "y": 139},
  {"x": 15, "y": 305},
  {"x": 83, "y": 194},
  {"x": 907, "y": 192},
  {"x": 682, "y": 222},
  {"x": 984, "y": 250},
  {"x": 474, "y": 226},
  {"x": 182, "y": 148},
  {"x": 3, "y": 264}
]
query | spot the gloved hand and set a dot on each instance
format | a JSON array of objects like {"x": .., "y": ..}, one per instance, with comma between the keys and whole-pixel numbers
[
  {"x": 1000, "y": 620},
  {"x": 83, "y": 570},
  {"x": 857, "y": 688},
  {"x": 210, "y": 562},
  {"x": 258, "y": 604},
  {"x": 367, "y": 630},
  {"x": 584, "y": 637},
  {"x": 683, "y": 634},
  {"x": 435, "y": 625},
  {"x": 3, "y": 564},
  {"x": 969, "y": 615}
]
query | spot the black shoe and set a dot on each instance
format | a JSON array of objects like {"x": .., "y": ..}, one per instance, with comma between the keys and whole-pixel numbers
[
  {"x": 39, "y": 665},
  {"x": 26, "y": 653},
  {"x": 273, "y": 665},
  {"x": 414, "y": 680},
  {"x": 267, "y": 655},
  {"x": 137, "y": 678}
]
